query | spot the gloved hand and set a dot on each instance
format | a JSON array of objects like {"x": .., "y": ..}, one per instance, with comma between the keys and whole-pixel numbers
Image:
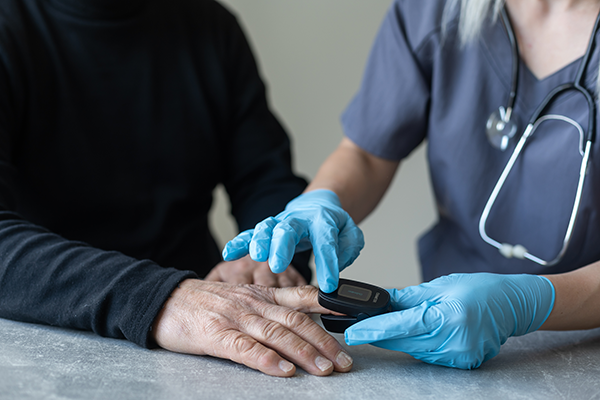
[
  {"x": 460, "y": 320},
  {"x": 314, "y": 219}
]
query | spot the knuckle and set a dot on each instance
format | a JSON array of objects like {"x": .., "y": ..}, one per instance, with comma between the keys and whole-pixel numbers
[
  {"x": 244, "y": 345},
  {"x": 294, "y": 319},
  {"x": 304, "y": 351},
  {"x": 264, "y": 296},
  {"x": 249, "y": 296},
  {"x": 228, "y": 343},
  {"x": 258, "y": 296},
  {"x": 236, "y": 346},
  {"x": 252, "y": 353},
  {"x": 307, "y": 292},
  {"x": 273, "y": 331},
  {"x": 266, "y": 359},
  {"x": 265, "y": 225}
]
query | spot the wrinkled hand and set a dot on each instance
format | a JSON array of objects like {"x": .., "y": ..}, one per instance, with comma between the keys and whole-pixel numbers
[
  {"x": 314, "y": 219},
  {"x": 263, "y": 328},
  {"x": 247, "y": 271},
  {"x": 459, "y": 320}
]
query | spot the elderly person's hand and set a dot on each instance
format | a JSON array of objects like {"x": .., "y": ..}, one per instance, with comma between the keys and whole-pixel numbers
[
  {"x": 263, "y": 328},
  {"x": 247, "y": 271}
]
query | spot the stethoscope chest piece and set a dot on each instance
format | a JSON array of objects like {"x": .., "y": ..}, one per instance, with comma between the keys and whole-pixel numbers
[{"x": 500, "y": 128}]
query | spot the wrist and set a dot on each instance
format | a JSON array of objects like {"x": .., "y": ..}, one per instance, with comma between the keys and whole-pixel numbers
[
  {"x": 320, "y": 196},
  {"x": 167, "y": 318},
  {"x": 577, "y": 299}
]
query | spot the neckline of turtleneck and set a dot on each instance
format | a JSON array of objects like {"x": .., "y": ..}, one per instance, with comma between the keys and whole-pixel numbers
[{"x": 103, "y": 9}]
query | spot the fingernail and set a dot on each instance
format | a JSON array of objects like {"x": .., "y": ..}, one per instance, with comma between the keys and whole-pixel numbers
[
  {"x": 344, "y": 360},
  {"x": 323, "y": 364},
  {"x": 286, "y": 366}
]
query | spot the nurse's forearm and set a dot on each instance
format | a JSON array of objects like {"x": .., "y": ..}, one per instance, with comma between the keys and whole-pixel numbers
[
  {"x": 577, "y": 304},
  {"x": 357, "y": 177}
]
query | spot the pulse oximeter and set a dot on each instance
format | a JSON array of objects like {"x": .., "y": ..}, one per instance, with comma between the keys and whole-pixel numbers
[{"x": 357, "y": 300}]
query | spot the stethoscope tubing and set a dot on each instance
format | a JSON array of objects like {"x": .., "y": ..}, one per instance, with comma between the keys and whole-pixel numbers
[
  {"x": 587, "y": 137},
  {"x": 506, "y": 171},
  {"x": 515, "y": 65}
]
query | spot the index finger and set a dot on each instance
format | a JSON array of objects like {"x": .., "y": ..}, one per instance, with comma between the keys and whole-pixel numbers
[
  {"x": 395, "y": 326},
  {"x": 350, "y": 242},
  {"x": 238, "y": 247},
  {"x": 325, "y": 248},
  {"x": 300, "y": 298},
  {"x": 286, "y": 236}
]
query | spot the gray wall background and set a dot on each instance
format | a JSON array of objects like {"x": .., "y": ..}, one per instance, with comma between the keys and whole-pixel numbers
[{"x": 311, "y": 54}]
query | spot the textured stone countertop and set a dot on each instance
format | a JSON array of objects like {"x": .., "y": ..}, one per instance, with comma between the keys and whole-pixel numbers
[{"x": 41, "y": 362}]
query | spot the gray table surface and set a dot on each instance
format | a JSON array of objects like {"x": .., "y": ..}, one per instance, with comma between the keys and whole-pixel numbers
[{"x": 41, "y": 362}]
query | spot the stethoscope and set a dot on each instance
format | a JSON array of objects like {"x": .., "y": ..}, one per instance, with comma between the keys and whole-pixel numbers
[{"x": 500, "y": 129}]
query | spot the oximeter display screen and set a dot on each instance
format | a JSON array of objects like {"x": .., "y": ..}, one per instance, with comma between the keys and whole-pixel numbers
[{"x": 354, "y": 292}]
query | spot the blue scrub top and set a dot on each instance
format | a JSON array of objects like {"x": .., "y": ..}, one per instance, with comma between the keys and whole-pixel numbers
[{"x": 417, "y": 88}]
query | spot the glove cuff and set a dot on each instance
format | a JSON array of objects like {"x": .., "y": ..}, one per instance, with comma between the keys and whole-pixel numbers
[
  {"x": 547, "y": 298},
  {"x": 535, "y": 296}
]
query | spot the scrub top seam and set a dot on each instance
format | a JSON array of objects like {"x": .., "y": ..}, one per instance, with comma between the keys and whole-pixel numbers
[{"x": 435, "y": 32}]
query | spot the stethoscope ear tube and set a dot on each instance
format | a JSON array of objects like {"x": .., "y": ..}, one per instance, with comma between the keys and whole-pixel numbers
[{"x": 515, "y": 65}]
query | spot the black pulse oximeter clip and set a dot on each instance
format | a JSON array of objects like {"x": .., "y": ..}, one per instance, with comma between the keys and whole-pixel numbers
[{"x": 357, "y": 300}]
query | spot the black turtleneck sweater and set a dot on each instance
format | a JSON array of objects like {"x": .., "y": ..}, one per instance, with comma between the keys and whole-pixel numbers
[{"x": 117, "y": 120}]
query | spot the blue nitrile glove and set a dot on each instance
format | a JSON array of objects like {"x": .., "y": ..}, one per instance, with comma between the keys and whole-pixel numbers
[
  {"x": 459, "y": 320},
  {"x": 314, "y": 219}
]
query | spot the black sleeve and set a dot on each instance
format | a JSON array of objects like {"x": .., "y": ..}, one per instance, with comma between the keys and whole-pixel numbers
[
  {"x": 258, "y": 165},
  {"x": 47, "y": 279}
]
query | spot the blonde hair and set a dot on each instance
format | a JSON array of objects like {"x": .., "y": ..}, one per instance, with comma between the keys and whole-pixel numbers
[{"x": 473, "y": 13}]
